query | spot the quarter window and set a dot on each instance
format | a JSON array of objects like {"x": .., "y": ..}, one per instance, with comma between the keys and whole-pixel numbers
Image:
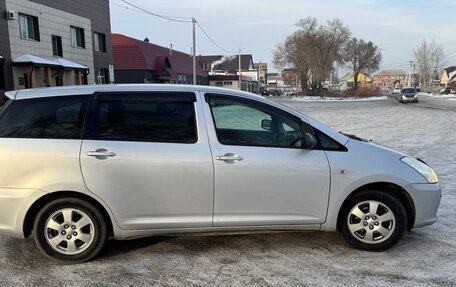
[
  {"x": 248, "y": 123},
  {"x": 77, "y": 37},
  {"x": 28, "y": 26},
  {"x": 143, "y": 117},
  {"x": 50, "y": 118}
]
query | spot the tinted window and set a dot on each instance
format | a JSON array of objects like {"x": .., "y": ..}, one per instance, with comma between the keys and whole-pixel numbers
[
  {"x": 54, "y": 117},
  {"x": 246, "y": 122},
  {"x": 143, "y": 117}
]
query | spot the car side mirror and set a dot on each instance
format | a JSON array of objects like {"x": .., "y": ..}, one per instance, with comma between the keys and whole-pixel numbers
[
  {"x": 309, "y": 141},
  {"x": 266, "y": 124}
]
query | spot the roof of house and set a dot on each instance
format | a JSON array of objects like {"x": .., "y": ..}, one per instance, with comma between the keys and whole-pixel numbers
[
  {"x": 450, "y": 69},
  {"x": 390, "y": 73},
  {"x": 31, "y": 59},
  {"x": 132, "y": 54},
  {"x": 28, "y": 59},
  {"x": 228, "y": 63},
  {"x": 350, "y": 78}
]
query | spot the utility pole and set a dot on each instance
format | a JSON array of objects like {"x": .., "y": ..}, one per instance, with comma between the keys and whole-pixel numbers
[
  {"x": 411, "y": 73},
  {"x": 240, "y": 74},
  {"x": 194, "y": 51}
]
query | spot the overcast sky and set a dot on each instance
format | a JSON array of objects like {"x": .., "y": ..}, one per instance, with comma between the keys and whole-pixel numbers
[{"x": 257, "y": 26}]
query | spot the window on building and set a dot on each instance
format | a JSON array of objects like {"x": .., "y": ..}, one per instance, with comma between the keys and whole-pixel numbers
[
  {"x": 219, "y": 83},
  {"x": 100, "y": 42},
  {"x": 77, "y": 37},
  {"x": 28, "y": 26},
  {"x": 57, "y": 46},
  {"x": 102, "y": 76}
]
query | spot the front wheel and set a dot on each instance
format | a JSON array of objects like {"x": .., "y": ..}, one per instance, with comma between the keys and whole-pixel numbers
[
  {"x": 373, "y": 220},
  {"x": 70, "y": 230}
]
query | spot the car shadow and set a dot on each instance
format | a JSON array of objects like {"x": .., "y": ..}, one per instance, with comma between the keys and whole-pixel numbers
[{"x": 122, "y": 247}]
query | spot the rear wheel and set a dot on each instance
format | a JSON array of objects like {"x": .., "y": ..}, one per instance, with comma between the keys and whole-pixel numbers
[
  {"x": 70, "y": 230},
  {"x": 373, "y": 220}
]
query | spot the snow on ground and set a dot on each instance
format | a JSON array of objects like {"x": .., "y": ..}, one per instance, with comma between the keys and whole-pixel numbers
[
  {"x": 424, "y": 257},
  {"x": 450, "y": 96},
  {"x": 336, "y": 99}
]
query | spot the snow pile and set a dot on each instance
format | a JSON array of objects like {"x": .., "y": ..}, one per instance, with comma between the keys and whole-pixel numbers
[{"x": 337, "y": 99}]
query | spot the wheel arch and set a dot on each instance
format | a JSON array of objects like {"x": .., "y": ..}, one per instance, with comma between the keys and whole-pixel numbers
[
  {"x": 42, "y": 201},
  {"x": 390, "y": 188}
]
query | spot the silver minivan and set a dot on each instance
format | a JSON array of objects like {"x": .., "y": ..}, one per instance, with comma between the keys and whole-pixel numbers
[{"x": 81, "y": 164}]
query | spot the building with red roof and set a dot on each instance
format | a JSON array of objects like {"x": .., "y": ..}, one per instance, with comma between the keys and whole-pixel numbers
[{"x": 137, "y": 61}]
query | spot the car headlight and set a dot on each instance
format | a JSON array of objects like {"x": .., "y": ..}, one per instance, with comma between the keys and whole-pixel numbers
[{"x": 422, "y": 168}]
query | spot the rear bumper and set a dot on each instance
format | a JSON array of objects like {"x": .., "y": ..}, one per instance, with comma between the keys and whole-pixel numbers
[
  {"x": 14, "y": 204},
  {"x": 426, "y": 198}
]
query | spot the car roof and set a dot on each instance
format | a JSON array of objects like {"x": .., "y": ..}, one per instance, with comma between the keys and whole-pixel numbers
[{"x": 91, "y": 89}]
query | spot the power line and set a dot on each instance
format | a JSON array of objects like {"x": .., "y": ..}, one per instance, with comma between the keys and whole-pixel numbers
[
  {"x": 125, "y": 7},
  {"x": 218, "y": 46},
  {"x": 454, "y": 52},
  {"x": 170, "y": 18}
]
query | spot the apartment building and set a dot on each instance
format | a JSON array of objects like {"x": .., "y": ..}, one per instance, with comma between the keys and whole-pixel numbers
[{"x": 54, "y": 43}]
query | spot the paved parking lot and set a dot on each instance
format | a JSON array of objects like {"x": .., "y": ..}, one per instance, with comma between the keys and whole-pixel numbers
[{"x": 425, "y": 257}]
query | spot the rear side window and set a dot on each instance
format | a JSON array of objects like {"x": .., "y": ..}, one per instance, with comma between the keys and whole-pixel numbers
[
  {"x": 50, "y": 118},
  {"x": 150, "y": 117}
]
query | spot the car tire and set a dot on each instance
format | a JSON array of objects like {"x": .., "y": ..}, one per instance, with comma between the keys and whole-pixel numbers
[
  {"x": 70, "y": 230},
  {"x": 369, "y": 229}
]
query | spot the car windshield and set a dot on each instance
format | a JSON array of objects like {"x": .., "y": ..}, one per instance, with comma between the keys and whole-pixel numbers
[{"x": 408, "y": 91}]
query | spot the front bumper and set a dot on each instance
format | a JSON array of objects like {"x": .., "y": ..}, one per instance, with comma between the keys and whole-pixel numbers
[
  {"x": 14, "y": 204},
  {"x": 408, "y": 99},
  {"x": 426, "y": 198}
]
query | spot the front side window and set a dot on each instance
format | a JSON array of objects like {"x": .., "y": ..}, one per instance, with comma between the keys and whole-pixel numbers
[
  {"x": 28, "y": 26},
  {"x": 150, "y": 117},
  {"x": 248, "y": 123},
  {"x": 77, "y": 37},
  {"x": 50, "y": 118}
]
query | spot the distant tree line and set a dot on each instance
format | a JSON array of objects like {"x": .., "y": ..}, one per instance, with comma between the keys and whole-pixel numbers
[
  {"x": 430, "y": 58},
  {"x": 315, "y": 49}
]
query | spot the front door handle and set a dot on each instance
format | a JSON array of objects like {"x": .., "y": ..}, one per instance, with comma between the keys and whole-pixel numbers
[
  {"x": 101, "y": 153},
  {"x": 229, "y": 158}
]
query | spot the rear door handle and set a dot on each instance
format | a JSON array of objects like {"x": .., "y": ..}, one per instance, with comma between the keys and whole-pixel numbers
[
  {"x": 229, "y": 158},
  {"x": 101, "y": 153}
]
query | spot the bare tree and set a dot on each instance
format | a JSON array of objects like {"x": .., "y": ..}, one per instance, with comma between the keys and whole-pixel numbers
[
  {"x": 430, "y": 58},
  {"x": 312, "y": 51},
  {"x": 361, "y": 56}
]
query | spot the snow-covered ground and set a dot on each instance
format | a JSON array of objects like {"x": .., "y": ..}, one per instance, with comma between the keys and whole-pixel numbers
[
  {"x": 424, "y": 257},
  {"x": 451, "y": 96},
  {"x": 336, "y": 99}
]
